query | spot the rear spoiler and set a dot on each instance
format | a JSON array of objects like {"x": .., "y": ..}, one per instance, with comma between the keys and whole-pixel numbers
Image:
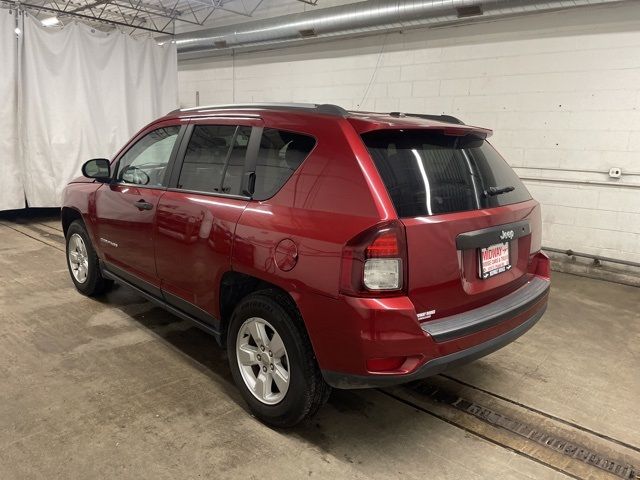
[
  {"x": 448, "y": 124},
  {"x": 426, "y": 116}
]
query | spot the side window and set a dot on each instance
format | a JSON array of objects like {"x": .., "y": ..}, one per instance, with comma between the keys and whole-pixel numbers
[
  {"x": 146, "y": 162},
  {"x": 235, "y": 168},
  {"x": 280, "y": 154},
  {"x": 215, "y": 152}
]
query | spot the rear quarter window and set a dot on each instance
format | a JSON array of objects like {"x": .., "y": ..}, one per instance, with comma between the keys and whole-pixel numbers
[
  {"x": 280, "y": 154},
  {"x": 428, "y": 173}
]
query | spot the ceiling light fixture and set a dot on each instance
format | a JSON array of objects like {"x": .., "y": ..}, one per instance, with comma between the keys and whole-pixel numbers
[{"x": 50, "y": 21}]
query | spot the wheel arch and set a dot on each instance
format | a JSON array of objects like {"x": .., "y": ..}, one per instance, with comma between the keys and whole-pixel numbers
[
  {"x": 234, "y": 286},
  {"x": 68, "y": 216}
]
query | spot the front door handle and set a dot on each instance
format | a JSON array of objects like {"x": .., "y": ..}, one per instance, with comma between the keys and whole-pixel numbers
[{"x": 143, "y": 205}]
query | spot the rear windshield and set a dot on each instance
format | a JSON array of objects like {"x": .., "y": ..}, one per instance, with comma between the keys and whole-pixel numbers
[{"x": 429, "y": 173}]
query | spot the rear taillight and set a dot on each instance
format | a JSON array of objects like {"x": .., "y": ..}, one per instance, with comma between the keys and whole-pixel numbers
[
  {"x": 383, "y": 274},
  {"x": 374, "y": 262},
  {"x": 385, "y": 245}
]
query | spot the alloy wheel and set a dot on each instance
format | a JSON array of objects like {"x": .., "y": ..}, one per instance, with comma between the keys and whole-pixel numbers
[
  {"x": 78, "y": 258},
  {"x": 263, "y": 360}
]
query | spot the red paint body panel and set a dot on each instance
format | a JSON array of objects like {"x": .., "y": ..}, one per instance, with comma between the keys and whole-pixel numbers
[
  {"x": 125, "y": 233},
  {"x": 445, "y": 279},
  {"x": 188, "y": 241},
  {"x": 80, "y": 196},
  {"x": 363, "y": 328},
  {"x": 194, "y": 239},
  {"x": 365, "y": 122}
]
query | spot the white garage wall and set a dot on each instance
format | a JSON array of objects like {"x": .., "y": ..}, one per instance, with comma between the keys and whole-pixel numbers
[{"x": 561, "y": 90}]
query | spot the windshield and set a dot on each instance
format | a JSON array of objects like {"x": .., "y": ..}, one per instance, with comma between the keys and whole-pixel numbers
[{"x": 429, "y": 173}]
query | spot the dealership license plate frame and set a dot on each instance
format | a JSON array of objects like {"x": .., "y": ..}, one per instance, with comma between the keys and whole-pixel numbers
[{"x": 486, "y": 271}]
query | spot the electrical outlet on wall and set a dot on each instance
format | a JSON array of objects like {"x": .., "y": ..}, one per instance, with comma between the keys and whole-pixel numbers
[{"x": 615, "y": 172}]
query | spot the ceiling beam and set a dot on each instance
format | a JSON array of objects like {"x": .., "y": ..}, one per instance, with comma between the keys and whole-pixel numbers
[
  {"x": 138, "y": 14},
  {"x": 88, "y": 5},
  {"x": 25, "y": 5}
]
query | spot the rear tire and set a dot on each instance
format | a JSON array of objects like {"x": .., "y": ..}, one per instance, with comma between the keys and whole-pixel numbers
[
  {"x": 283, "y": 401},
  {"x": 82, "y": 262}
]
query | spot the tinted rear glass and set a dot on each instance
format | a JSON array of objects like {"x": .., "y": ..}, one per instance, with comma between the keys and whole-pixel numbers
[
  {"x": 215, "y": 152},
  {"x": 280, "y": 154},
  {"x": 428, "y": 173}
]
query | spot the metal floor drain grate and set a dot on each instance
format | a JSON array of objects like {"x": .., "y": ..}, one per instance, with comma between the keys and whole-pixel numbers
[{"x": 561, "y": 445}]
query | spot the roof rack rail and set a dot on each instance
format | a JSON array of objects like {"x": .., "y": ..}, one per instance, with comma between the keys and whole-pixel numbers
[
  {"x": 438, "y": 118},
  {"x": 313, "y": 107}
]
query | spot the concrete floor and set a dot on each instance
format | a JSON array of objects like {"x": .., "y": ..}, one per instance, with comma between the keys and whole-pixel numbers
[{"x": 115, "y": 387}]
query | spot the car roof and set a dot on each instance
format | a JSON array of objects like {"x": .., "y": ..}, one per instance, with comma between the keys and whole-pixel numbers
[{"x": 362, "y": 121}]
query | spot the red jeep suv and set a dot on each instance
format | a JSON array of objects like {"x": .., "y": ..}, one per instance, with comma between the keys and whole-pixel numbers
[{"x": 324, "y": 248}]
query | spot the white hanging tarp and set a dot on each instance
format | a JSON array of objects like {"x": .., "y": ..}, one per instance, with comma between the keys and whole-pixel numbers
[
  {"x": 84, "y": 94},
  {"x": 11, "y": 191}
]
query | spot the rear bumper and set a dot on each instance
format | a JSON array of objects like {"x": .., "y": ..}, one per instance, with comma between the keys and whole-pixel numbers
[
  {"x": 435, "y": 346},
  {"x": 473, "y": 321},
  {"x": 435, "y": 365}
]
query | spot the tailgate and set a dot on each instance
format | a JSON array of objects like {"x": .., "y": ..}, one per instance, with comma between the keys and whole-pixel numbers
[
  {"x": 471, "y": 224},
  {"x": 445, "y": 257}
]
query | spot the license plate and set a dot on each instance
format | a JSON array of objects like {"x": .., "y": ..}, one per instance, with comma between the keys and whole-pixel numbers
[{"x": 494, "y": 259}]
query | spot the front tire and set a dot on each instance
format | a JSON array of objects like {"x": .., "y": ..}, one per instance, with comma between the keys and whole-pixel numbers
[
  {"x": 82, "y": 262},
  {"x": 272, "y": 361}
]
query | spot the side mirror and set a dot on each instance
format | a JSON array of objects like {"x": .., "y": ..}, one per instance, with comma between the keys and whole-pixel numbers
[{"x": 98, "y": 168}]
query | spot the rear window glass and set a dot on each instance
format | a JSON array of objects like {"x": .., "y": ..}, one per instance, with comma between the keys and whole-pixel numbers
[
  {"x": 280, "y": 154},
  {"x": 428, "y": 173}
]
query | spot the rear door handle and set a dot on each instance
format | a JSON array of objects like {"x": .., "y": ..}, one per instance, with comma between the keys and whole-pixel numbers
[{"x": 143, "y": 205}]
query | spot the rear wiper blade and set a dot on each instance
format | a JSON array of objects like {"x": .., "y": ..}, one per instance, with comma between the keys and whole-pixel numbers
[{"x": 492, "y": 191}]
